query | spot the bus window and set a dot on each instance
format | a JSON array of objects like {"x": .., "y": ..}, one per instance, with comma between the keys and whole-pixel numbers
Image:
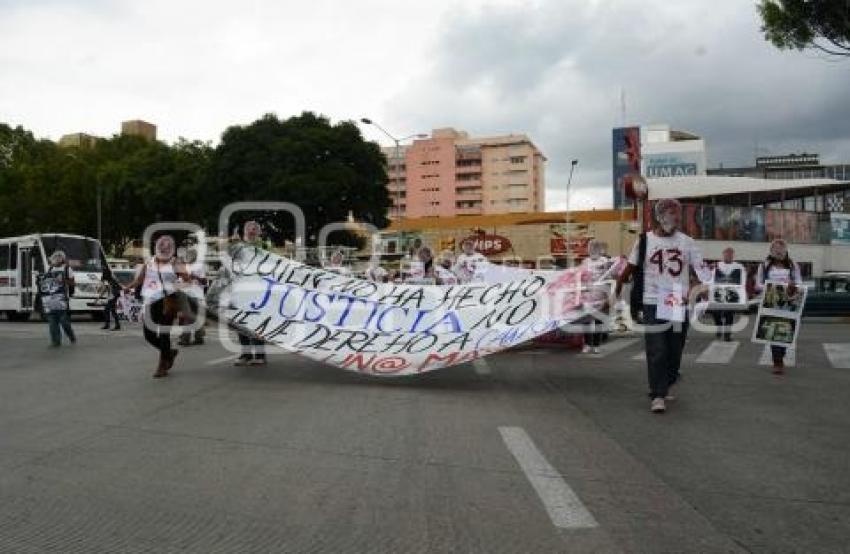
[
  {"x": 4, "y": 257},
  {"x": 82, "y": 254},
  {"x": 13, "y": 256}
]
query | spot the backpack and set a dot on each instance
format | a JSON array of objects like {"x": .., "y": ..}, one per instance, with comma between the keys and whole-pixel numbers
[{"x": 636, "y": 294}]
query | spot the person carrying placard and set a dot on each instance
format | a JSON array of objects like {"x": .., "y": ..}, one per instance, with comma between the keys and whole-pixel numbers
[{"x": 780, "y": 268}]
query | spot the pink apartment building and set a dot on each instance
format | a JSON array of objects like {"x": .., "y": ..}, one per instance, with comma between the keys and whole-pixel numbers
[{"x": 451, "y": 174}]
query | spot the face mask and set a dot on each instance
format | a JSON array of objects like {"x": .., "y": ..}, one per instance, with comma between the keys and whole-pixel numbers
[
  {"x": 164, "y": 250},
  {"x": 778, "y": 253},
  {"x": 667, "y": 222}
]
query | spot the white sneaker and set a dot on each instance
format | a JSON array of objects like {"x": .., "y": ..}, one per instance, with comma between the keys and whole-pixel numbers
[
  {"x": 670, "y": 396},
  {"x": 585, "y": 349},
  {"x": 596, "y": 350},
  {"x": 657, "y": 406}
]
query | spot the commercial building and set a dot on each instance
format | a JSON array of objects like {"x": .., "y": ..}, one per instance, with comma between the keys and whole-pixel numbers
[
  {"x": 452, "y": 174},
  {"x": 139, "y": 128},
  {"x": 654, "y": 151},
  {"x": 77, "y": 140}
]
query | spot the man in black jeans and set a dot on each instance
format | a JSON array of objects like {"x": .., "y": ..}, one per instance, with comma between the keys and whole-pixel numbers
[
  {"x": 114, "y": 291},
  {"x": 661, "y": 260}
]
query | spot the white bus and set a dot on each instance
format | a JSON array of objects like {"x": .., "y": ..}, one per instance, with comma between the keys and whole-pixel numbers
[{"x": 23, "y": 259}]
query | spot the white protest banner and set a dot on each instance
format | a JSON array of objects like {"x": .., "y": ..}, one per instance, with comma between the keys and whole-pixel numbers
[
  {"x": 387, "y": 329},
  {"x": 778, "y": 321}
]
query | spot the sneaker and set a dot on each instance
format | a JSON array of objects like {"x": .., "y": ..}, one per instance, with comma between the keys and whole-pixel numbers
[
  {"x": 585, "y": 349},
  {"x": 657, "y": 406},
  {"x": 244, "y": 359},
  {"x": 259, "y": 360},
  {"x": 595, "y": 350}
]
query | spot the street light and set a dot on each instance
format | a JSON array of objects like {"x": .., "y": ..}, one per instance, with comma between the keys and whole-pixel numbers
[
  {"x": 573, "y": 165},
  {"x": 397, "y": 142}
]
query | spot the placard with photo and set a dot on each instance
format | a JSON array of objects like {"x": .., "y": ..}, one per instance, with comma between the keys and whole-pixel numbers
[
  {"x": 723, "y": 296},
  {"x": 778, "y": 321}
]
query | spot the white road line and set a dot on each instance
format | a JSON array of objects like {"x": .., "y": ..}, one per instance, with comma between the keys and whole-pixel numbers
[
  {"x": 838, "y": 354},
  {"x": 481, "y": 366},
  {"x": 613, "y": 346},
  {"x": 564, "y": 507},
  {"x": 221, "y": 360},
  {"x": 718, "y": 352},
  {"x": 767, "y": 357},
  {"x": 640, "y": 357}
]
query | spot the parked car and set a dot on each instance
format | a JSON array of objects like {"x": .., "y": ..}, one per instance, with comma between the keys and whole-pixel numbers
[{"x": 830, "y": 296}]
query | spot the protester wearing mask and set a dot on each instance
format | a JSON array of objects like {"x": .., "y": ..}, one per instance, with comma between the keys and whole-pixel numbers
[
  {"x": 595, "y": 268},
  {"x": 730, "y": 272},
  {"x": 780, "y": 268},
  {"x": 159, "y": 281},
  {"x": 663, "y": 257},
  {"x": 253, "y": 349},
  {"x": 192, "y": 302},
  {"x": 376, "y": 273},
  {"x": 469, "y": 264},
  {"x": 56, "y": 285},
  {"x": 337, "y": 263}
]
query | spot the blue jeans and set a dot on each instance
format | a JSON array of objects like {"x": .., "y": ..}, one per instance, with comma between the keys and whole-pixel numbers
[{"x": 57, "y": 319}]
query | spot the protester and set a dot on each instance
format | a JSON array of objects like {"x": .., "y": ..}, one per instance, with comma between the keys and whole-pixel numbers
[
  {"x": 160, "y": 294},
  {"x": 664, "y": 256},
  {"x": 728, "y": 272},
  {"x": 192, "y": 302},
  {"x": 780, "y": 268},
  {"x": 337, "y": 263},
  {"x": 376, "y": 273},
  {"x": 413, "y": 252},
  {"x": 595, "y": 268},
  {"x": 113, "y": 289},
  {"x": 56, "y": 286},
  {"x": 253, "y": 349},
  {"x": 443, "y": 270},
  {"x": 422, "y": 268},
  {"x": 469, "y": 264}
]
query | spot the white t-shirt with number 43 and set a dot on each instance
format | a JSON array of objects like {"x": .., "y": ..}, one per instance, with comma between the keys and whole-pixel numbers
[{"x": 666, "y": 268}]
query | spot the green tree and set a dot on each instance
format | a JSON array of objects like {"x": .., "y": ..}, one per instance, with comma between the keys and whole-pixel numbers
[
  {"x": 327, "y": 170},
  {"x": 822, "y": 25}
]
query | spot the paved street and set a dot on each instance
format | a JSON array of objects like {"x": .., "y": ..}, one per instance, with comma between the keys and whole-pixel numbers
[{"x": 535, "y": 450}]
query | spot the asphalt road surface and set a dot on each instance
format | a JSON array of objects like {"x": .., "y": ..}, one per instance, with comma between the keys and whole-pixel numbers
[{"x": 534, "y": 450}]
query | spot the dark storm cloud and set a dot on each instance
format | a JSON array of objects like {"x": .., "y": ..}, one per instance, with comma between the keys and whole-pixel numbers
[{"x": 555, "y": 70}]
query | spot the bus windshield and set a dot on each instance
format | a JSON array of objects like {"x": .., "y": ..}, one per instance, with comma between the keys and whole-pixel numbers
[{"x": 82, "y": 254}]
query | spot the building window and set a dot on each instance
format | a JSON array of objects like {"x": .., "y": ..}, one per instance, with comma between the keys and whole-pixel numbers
[{"x": 517, "y": 159}]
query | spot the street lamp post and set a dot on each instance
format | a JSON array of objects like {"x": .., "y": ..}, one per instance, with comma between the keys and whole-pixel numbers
[
  {"x": 567, "y": 217},
  {"x": 397, "y": 142}
]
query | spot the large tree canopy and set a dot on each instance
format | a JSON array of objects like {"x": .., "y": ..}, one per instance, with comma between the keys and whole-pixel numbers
[
  {"x": 327, "y": 170},
  {"x": 823, "y": 25}
]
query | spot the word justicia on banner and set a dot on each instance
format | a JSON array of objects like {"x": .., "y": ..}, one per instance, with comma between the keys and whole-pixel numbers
[{"x": 391, "y": 329}]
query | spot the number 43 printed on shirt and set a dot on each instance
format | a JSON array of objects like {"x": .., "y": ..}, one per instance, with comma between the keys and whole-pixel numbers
[{"x": 670, "y": 259}]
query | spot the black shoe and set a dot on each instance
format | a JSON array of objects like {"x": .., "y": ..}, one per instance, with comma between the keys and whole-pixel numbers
[
  {"x": 244, "y": 359},
  {"x": 105, "y": 327},
  {"x": 116, "y": 328}
]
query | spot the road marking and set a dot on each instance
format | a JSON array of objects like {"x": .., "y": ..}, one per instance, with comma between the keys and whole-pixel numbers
[
  {"x": 612, "y": 346},
  {"x": 641, "y": 357},
  {"x": 481, "y": 366},
  {"x": 563, "y": 505},
  {"x": 718, "y": 352},
  {"x": 767, "y": 357},
  {"x": 221, "y": 360},
  {"x": 838, "y": 354}
]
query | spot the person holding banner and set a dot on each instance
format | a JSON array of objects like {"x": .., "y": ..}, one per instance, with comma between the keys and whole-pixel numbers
[
  {"x": 56, "y": 287},
  {"x": 779, "y": 267},
  {"x": 113, "y": 289},
  {"x": 443, "y": 270},
  {"x": 595, "y": 268},
  {"x": 663, "y": 257},
  {"x": 469, "y": 264},
  {"x": 727, "y": 272},
  {"x": 253, "y": 349},
  {"x": 159, "y": 281}
]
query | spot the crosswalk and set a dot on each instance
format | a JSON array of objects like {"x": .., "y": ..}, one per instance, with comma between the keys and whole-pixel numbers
[{"x": 722, "y": 352}]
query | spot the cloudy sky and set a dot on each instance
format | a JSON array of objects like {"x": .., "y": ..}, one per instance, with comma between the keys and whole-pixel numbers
[{"x": 553, "y": 69}]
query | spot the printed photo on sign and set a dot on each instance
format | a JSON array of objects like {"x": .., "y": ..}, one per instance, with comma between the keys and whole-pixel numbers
[
  {"x": 776, "y": 330},
  {"x": 777, "y": 298},
  {"x": 727, "y": 297}
]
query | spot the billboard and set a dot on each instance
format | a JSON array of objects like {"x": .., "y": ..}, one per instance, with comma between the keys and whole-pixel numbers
[
  {"x": 626, "y": 159},
  {"x": 840, "y": 224}
]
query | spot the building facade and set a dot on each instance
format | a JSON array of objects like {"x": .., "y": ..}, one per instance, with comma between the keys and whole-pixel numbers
[
  {"x": 139, "y": 128},
  {"x": 654, "y": 151},
  {"x": 77, "y": 140},
  {"x": 452, "y": 174}
]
